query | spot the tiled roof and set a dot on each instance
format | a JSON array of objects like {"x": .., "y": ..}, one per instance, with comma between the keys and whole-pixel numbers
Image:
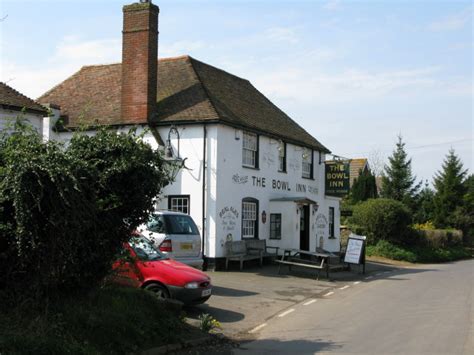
[
  {"x": 355, "y": 166},
  {"x": 12, "y": 99},
  {"x": 188, "y": 91}
]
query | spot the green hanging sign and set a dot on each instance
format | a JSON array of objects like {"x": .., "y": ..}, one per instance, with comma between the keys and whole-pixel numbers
[{"x": 337, "y": 177}]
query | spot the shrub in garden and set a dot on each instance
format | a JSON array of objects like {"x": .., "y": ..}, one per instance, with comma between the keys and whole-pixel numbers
[
  {"x": 65, "y": 211},
  {"x": 382, "y": 219}
]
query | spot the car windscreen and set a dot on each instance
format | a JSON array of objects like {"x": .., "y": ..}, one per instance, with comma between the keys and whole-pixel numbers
[
  {"x": 180, "y": 224},
  {"x": 145, "y": 250}
]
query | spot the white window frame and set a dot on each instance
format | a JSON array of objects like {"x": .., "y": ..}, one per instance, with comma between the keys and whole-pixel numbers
[
  {"x": 179, "y": 203},
  {"x": 250, "y": 150},
  {"x": 282, "y": 157},
  {"x": 307, "y": 164},
  {"x": 249, "y": 219}
]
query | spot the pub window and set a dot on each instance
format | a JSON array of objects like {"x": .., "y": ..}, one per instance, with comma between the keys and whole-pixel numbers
[
  {"x": 307, "y": 165},
  {"x": 249, "y": 218},
  {"x": 250, "y": 150},
  {"x": 179, "y": 203},
  {"x": 275, "y": 226},
  {"x": 282, "y": 157},
  {"x": 331, "y": 222}
]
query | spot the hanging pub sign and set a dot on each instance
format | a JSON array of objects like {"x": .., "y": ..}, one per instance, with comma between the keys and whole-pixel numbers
[{"x": 337, "y": 178}]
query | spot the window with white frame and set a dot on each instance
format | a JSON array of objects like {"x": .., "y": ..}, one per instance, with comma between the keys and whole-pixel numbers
[
  {"x": 282, "y": 156},
  {"x": 250, "y": 150},
  {"x": 179, "y": 203},
  {"x": 331, "y": 222},
  {"x": 307, "y": 165},
  {"x": 275, "y": 225},
  {"x": 249, "y": 218}
]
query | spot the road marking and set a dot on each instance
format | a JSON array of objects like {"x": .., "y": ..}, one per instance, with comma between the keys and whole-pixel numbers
[
  {"x": 357, "y": 282},
  {"x": 343, "y": 288},
  {"x": 257, "y": 328},
  {"x": 329, "y": 294},
  {"x": 309, "y": 302},
  {"x": 286, "y": 313},
  {"x": 369, "y": 277}
]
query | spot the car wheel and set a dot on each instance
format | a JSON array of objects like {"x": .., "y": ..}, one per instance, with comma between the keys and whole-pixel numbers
[{"x": 160, "y": 291}]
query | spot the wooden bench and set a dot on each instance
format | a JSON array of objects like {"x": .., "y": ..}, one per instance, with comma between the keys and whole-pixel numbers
[
  {"x": 303, "y": 263},
  {"x": 261, "y": 245},
  {"x": 237, "y": 250}
]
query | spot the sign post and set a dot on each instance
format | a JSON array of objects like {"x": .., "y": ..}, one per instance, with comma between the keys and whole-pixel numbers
[{"x": 355, "y": 250}]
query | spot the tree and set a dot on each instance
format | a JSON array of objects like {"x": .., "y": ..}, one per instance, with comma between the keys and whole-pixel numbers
[
  {"x": 398, "y": 181},
  {"x": 450, "y": 189},
  {"x": 424, "y": 210},
  {"x": 364, "y": 187}
]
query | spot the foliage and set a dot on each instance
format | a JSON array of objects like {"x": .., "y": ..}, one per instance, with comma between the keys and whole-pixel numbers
[
  {"x": 129, "y": 320},
  {"x": 382, "y": 219},
  {"x": 398, "y": 182},
  {"x": 450, "y": 189},
  {"x": 424, "y": 226},
  {"x": 364, "y": 187},
  {"x": 417, "y": 254},
  {"x": 463, "y": 216},
  {"x": 423, "y": 210},
  {"x": 65, "y": 211},
  {"x": 207, "y": 323}
]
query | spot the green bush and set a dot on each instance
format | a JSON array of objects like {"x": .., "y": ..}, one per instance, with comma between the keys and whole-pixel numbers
[
  {"x": 440, "y": 238},
  {"x": 417, "y": 254},
  {"x": 382, "y": 219},
  {"x": 106, "y": 321},
  {"x": 65, "y": 211}
]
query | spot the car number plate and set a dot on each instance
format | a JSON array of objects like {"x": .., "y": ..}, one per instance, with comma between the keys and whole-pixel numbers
[
  {"x": 206, "y": 293},
  {"x": 186, "y": 246}
]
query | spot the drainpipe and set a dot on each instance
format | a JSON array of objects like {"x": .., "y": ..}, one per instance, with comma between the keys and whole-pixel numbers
[{"x": 204, "y": 167}]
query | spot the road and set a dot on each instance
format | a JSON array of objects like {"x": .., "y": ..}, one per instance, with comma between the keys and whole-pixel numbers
[{"x": 421, "y": 310}]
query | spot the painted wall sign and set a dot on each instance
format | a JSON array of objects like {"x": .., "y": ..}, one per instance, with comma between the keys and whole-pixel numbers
[
  {"x": 229, "y": 218},
  {"x": 337, "y": 178},
  {"x": 238, "y": 179},
  {"x": 321, "y": 221}
]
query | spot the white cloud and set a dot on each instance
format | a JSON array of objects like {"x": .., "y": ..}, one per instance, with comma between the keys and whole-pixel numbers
[
  {"x": 452, "y": 22},
  {"x": 281, "y": 34},
  {"x": 69, "y": 56},
  {"x": 333, "y": 5},
  {"x": 179, "y": 48}
]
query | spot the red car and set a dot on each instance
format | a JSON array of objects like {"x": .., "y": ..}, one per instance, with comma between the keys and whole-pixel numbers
[{"x": 149, "y": 269}]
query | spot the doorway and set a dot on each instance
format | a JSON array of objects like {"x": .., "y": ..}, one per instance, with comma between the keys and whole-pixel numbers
[{"x": 304, "y": 227}]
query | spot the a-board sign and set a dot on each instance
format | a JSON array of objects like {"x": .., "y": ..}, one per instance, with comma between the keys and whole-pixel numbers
[{"x": 355, "y": 249}]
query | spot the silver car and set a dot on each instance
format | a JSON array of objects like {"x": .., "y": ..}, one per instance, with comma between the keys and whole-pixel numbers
[{"x": 176, "y": 235}]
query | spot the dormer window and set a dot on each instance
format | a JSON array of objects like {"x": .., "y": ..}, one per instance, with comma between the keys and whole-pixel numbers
[
  {"x": 307, "y": 165},
  {"x": 282, "y": 156},
  {"x": 250, "y": 150}
]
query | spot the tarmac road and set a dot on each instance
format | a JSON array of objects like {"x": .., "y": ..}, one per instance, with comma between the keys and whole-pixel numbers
[{"x": 423, "y": 310}]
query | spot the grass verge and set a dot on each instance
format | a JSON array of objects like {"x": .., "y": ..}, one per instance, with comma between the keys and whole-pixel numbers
[
  {"x": 107, "y": 321},
  {"x": 417, "y": 254}
]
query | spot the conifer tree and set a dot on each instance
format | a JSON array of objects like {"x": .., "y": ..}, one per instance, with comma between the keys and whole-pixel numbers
[
  {"x": 450, "y": 189},
  {"x": 364, "y": 187},
  {"x": 398, "y": 181}
]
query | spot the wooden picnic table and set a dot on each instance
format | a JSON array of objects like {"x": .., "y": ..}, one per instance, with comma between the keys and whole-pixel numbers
[{"x": 305, "y": 259}]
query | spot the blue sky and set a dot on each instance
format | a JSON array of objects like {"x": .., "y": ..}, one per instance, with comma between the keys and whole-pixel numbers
[{"x": 354, "y": 74}]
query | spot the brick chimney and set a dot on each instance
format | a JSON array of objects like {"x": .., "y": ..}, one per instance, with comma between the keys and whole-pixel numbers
[{"x": 139, "y": 62}]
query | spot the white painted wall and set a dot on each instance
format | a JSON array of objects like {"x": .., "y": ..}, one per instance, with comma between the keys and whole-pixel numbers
[
  {"x": 7, "y": 117},
  {"x": 228, "y": 182}
]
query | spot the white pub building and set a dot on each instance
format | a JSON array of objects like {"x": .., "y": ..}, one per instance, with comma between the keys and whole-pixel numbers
[{"x": 249, "y": 171}]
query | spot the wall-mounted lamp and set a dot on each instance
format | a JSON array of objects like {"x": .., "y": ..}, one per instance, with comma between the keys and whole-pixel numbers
[
  {"x": 315, "y": 208},
  {"x": 237, "y": 135},
  {"x": 175, "y": 162}
]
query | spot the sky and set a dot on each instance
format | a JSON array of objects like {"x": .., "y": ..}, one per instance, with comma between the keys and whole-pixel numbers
[{"x": 354, "y": 74}]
